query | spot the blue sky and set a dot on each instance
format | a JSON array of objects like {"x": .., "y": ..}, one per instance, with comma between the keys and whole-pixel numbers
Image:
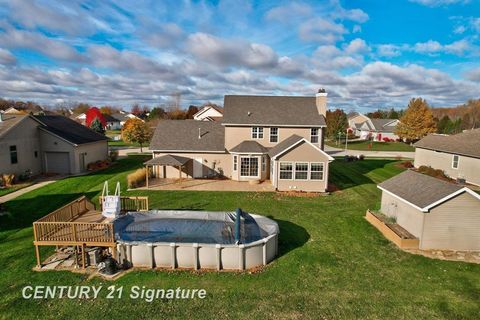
[{"x": 368, "y": 54}]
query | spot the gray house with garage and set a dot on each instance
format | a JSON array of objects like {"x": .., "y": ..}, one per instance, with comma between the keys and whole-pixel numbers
[{"x": 47, "y": 144}]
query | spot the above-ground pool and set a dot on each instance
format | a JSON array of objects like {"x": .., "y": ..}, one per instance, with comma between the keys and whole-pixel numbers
[{"x": 196, "y": 239}]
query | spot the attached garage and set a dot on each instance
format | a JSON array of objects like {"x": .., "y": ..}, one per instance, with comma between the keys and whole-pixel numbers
[
  {"x": 443, "y": 215},
  {"x": 57, "y": 162}
]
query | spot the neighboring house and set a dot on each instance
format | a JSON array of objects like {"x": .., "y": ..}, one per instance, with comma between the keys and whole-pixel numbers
[
  {"x": 122, "y": 117},
  {"x": 457, "y": 155},
  {"x": 80, "y": 118},
  {"x": 441, "y": 214},
  {"x": 372, "y": 129},
  {"x": 355, "y": 120},
  {"x": 112, "y": 122},
  {"x": 208, "y": 113},
  {"x": 12, "y": 110},
  {"x": 47, "y": 144},
  {"x": 276, "y": 138}
]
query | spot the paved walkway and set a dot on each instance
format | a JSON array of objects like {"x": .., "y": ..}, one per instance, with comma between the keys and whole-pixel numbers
[
  {"x": 209, "y": 185},
  {"x": 124, "y": 151},
  {"x": 335, "y": 152},
  {"x": 34, "y": 186}
]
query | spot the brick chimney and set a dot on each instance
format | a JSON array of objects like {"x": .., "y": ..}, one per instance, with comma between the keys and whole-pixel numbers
[{"x": 321, "y": 101}]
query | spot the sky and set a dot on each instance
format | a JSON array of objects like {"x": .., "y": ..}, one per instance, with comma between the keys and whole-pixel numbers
[{"x": 367, "y": 54}]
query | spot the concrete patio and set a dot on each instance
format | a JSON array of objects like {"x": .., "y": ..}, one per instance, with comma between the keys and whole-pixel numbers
[{"x": 208, "y": 185}]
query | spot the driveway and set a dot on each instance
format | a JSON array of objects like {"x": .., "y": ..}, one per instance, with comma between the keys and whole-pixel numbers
[{"x": 335, "y": 152}]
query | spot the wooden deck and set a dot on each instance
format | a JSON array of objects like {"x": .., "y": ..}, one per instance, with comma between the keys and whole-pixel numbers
[{"x": 79, "y": 224}]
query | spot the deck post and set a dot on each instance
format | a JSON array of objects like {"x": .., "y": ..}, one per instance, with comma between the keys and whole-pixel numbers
[
  {"x": 180, "y": 172},
  {"x": 37, "y": 253},
  {"x": 84, "y": 258}
]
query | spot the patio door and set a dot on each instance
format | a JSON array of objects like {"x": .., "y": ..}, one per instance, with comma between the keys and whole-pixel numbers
[
  {"x": 249, "y": 167},
  {"x": 198, "y": 168}
]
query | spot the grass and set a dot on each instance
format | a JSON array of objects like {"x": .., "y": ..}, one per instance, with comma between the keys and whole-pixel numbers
[
  {"x": 375, "y": 146},
  {"x": 332, "y": 263},
  {"x": 15, "y": 187}
]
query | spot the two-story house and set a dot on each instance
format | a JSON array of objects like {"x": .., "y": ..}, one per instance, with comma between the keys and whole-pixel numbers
[{"x": 276, "y": 138}]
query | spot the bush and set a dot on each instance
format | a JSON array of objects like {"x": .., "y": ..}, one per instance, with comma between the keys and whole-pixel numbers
[
  {"x": 437, "y": 173},
  {"x": 386, "y": 139},
  {"x": 137, "y": 178},
  {"x": 407, "y": 164},
  {"x": 8, "y": 179},
  {"x": 361, "y": 157},
  {"x": 113, "y": 155}
]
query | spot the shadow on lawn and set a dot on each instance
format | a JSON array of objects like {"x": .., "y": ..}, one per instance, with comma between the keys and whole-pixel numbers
[
  {"x": 346, "y": 175},
  {"x": 291, "y": 236},
  {"x": 22, "y": 213}
]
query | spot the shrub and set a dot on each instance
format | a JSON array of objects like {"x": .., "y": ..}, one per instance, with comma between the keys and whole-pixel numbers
[
  {"x": 361, "y": 157},
  {"x": 137, "y": 178},
  {"x": 113, "y": 155},
  {"x": 433, "y": 172},
  {"x": 407, "y": 164},
  {"x": 8, "y": 179},
  {"x": 386, "y": 139}
]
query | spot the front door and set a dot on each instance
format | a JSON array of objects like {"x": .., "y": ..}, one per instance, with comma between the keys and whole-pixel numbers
[{"x": 198, "y": 168}]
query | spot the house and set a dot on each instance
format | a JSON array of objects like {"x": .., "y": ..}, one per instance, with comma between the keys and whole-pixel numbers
[
  {"x": 112, "y": 122},
  {"x": 457, "y": 155},
  {"x": 276, "y": 138},
  {"x": 372, "y": 129},
  {"x": 53, "y": 144},
  {"x": 208, "y": 113},
  {"x": 13, "y": 110},
  {"x": 441, "y": 214},
  {"x": 80, "y": 118}
]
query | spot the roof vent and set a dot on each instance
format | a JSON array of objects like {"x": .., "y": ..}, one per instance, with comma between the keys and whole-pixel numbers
[
  {"x": 249, "y": 113},
  {"x": 199, "y": 133}
]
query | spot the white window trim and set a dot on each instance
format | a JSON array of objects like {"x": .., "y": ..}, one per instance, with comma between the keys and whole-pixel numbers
[
  {"x": 280, "y": 170},
  {"x": 259, "y": 172},
  {"x": 310, "y": 170},
  {"x": 235, "y": 163},
  {"x": 453, "y": 161},
  {"x": 264, "y": 163},
  {"x": 270, "y": 135},
  {"x": 295, "y": 171},
  {"x": 258, "y": 133}
]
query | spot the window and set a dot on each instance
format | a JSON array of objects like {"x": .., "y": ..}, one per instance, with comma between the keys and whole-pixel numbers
[
  {"x": 301, "y": 171},
  {"x": 257, "y": 133},
  {"x": 248, "y": 167},
  {"x": 455, "y": 160},
  {"x": 314, "y": 135},
  {"x": 316, "y": 171},
  {"x": 235, "y": 161},
  {"x": 13, "y": 155},
  {"x": 36, "y": 154},
  {"x": 274, "y": 135},
  {"x": 286, "y": 171},
  {"x": 264, "y": 164}
]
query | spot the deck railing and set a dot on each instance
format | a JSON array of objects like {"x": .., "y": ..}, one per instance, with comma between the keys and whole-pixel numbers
[
  {"x": 130, "y": 203},
  {"x": 71, "y": 233},
  {"x": 69, "y": 211}
]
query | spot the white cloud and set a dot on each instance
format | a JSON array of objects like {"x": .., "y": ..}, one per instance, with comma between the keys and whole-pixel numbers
[
  {"x": 322, "y": 31},
  {"x": 357, "y": 46},
  {"x": 165, "y": 36},
  {"x": 224, "y": 52},
  {"x": 459, "y": 48},
  {"x": 473, "y": 75},
  {"x": 6, "y": 57},
  {"x": 388, "y": 50},
  {"x": 438, "y": 3},
  {"x": 428, "y": 47},
  {"x": 286, "y": 12}
]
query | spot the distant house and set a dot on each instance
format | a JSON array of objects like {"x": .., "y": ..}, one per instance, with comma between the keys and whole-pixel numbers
[
  {"x": 13, "y": 110},
  {"x": 457, "y": 155},
  {"x": 53, "y": 144},
  {"x": 112, "y": 122},
  {"x": 276, "y": 138},
  {"x": 122, "y": 117},
  {"x": 80, "y": 118},
  {"x": 372, "y": 129},
  {"x": 441, "y": 214},
  {"x": 208, "y": 113}
]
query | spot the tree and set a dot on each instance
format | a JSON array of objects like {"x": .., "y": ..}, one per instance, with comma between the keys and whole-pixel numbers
[
  {"x": 136, "y": 110},
  {"x": 96, "y": 126},
  {"x": 191, "y": 111},
  {"x": 336, "y": 123},
  {"x": 444, "y": 125},
  {"x": 136, "y": 131},
  {"x": 108, "y": 110},
  {"x": 157, "y": 113},
  {"x": 473, "y": 108},
  {"x": 81, "y": 108},
  {"x": 417, "y": 121}
]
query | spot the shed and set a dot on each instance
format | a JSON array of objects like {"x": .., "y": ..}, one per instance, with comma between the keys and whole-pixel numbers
[{"x": 441, "y": 214}]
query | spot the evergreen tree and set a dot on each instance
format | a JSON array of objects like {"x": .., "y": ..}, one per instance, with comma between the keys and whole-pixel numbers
[
  {"x": 417, "y": 121},
  {"x": 444, "y": 125},
  {"x": 96, "y": 125}
]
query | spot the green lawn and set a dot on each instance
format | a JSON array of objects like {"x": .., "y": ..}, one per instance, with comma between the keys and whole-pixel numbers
[
  {"x": 13, "y": 188},
  {"x": 332, "y": 262},
  {"x": 121, "y": 143},
  {"x": 373, "y": 146}
]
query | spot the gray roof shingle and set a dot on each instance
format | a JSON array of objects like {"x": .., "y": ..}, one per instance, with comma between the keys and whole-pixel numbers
[
  {"x": 249, "y": 146},
  {"x": 69, "y": 129},
  {"x": 466, "y": 143},
  {"x": 168, "y": 160},
  {"x": 284, "y": 145},
  {"x": 272, "y": 110},
  {"x": 380, "y": 125},
  {"x": 9, "y": 121},
  {"x": 183, "y": 135},
  {"x": 418, "y": 188}
]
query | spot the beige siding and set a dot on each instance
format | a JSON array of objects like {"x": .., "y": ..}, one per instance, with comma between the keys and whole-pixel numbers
[
  {"x": 408, "y": 217},
  {"x": 303, "y": 153},
  {"x": 220, "y": 163},
  {"x": 236, "y": 135},
  {"x": 93, "y": 152},
  {"x": 468, "y": 167},
  {"x": 25, "y": 137},
  {"x": 453, "y": 225}
]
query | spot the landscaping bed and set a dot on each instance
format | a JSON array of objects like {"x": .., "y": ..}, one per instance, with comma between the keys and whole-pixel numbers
[{"x": 364, "y": 145}]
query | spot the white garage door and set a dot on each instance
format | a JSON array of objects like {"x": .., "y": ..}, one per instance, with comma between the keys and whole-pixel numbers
[{"x": 57, "y": 162}]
